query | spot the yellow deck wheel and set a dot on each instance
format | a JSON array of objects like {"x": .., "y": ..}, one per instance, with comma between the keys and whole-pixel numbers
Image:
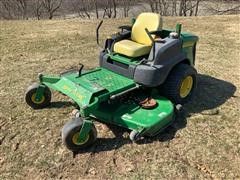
[
  {"x": 70, "y": 135},
  {"x": 75, "y": 139},
  {"x": 33, "y": 98},
  {"x": 30, "y": 96},
  {"x": 186, "y": 86}
]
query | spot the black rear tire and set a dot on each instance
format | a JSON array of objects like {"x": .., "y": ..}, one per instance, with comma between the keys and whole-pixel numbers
[{"x": 172, "y": 86}]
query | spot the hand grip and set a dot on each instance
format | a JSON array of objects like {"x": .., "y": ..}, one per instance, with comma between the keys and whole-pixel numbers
[
  {"x": 97, "y": 31},
  {"x": 153, "y": 43},
  {"x": 149, "y": 35}
]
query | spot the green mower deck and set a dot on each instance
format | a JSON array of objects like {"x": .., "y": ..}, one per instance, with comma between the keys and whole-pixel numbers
[
  {"x": 89, "y": 88},
  {"x": 96, "y": 86},
  {"x": 130, "y": 115},
  {"x": 92, "y": 91}
]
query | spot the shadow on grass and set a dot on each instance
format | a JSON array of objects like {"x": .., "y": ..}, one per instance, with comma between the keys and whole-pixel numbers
[
  {"x": 108, "y": 144},
  {"x": 60, "y": 104},
  {"x": 210, "y": 94}
]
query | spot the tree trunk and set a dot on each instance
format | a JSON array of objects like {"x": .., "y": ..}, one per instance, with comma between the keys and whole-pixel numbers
[
  {"x": 151, "y": 3},
  {"x": 181, "y": 8},
  {"x": 51, "y": 7},
  {"x": 174, "y": 7},
  {"x": 196, "y": 9},
  {"x": 50, "y": 15},
  {"x": 184, "y": 8},
  {"x": 96, "y": 8},
  {"x": 114, "y": 9},
  {"x": 156, "y": 9},
  {"x": 87, "y": 14},
  {"x": 38, "y": 9}
]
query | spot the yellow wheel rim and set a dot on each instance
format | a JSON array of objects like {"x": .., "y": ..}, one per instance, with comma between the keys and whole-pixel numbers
[
  {"x": 33, "y": 98},
  {"x": 186, "y": 86},
  {"x": 75, "y": 139}
]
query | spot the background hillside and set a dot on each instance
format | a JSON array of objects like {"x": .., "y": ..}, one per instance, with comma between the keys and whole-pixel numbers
[
  {"x": 202, "y": 143},
  {"x": 92, "y": 9}
]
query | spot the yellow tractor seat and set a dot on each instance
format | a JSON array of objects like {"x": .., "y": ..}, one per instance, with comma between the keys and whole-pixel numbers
[
  {"x": 139, "y": 44},
  {"x": 131, "y": 48}
]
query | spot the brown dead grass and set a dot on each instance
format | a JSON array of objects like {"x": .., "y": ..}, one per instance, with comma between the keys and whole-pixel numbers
[{"x": 203, "y": 143}]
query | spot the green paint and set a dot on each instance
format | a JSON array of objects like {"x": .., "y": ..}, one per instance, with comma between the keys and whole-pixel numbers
[
  {"x": 133, "y": 21},
  {"x": 90, "y": 87},
  {"x": 39, "y": 93},
  {"x": 124, "y": 59},
  {"x": 189, "y": 40},
  {"x": 133, "y": 117},
  {"x": 178, "y": 28},
  {"x": 91, "y": 91},
  {"x": 86, "y": 127}
]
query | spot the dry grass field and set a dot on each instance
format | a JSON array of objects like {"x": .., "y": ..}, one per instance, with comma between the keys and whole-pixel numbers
[{"x": 203, "y": 143}]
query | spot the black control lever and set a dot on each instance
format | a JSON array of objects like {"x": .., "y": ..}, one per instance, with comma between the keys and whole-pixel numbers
[
  {"x": 80, "y": 69},
  {"x": 153, "y": 42},
  {"x": 97, "y": 31}
]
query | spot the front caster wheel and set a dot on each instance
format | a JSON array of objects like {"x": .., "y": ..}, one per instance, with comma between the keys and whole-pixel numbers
[
  {"x": 134, "y": 136},
  {"x": 70, "y": 134},
  {"x": 32, "y": 101}
]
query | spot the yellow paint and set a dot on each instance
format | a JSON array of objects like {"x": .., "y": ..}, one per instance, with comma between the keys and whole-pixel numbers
[
  {"x": 33, "y": 98},
  {"x": 186, "y": 86},
  {"x": 188, "y": 44},
  {"x": 151, "y": 21},
  {"x": 65, "y": 87},
  {"x": 75, "y": 139},
  {"x": 140, "y": 44},
  {"x": 78, "y": 95},
  {"x": 131, "y": 48},
  {"x": 74, "y": 92}
]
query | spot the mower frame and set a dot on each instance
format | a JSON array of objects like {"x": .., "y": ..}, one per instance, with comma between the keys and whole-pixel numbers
[{"x": 96, "y": 90}]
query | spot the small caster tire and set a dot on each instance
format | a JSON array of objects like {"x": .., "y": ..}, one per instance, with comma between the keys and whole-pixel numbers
[
  {"x": 134, "y": 136},
  {"x": 75, "y": 113},
  {"x": 30, "y": 97},
  {"x": 70, "y": 133},
  {"x": 178, "y": 108}
]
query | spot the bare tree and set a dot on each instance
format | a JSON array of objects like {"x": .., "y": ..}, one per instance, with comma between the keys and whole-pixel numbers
[
  {"x": 152, "y": 4},
  {"x": 114, "y": 4},
  {"x": 182, "y": 7},
  {"x": 174, "y": 7},
  {"x": 13, "y": 9},
  {"x": 83, "y": 7},
  {"x": 164, "y": 7},
  {"x": 38, "y": 8},
  {"x": 225, "y": 7},
  {"x": 107, "y": 8},
  {"x": 22, "y": 9},
  {"x": 189, "y": 7},
  {"x": 5, "y": 9},
  {"x": 22, "y": 6},
  {"x": 197, "y": 7},
  {"x": 160, "y": 6},
  {"x": 96, "y": 8},
  {"x": 126, "y": 4},
  {"x": 51, "y": 6}
]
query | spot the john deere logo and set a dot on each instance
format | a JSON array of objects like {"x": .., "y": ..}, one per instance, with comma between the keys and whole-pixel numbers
[{"x": 74, "y": 92}]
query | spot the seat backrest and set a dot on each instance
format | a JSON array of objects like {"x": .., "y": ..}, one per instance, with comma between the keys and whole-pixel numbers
[{"x": 151, "y": 21}]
